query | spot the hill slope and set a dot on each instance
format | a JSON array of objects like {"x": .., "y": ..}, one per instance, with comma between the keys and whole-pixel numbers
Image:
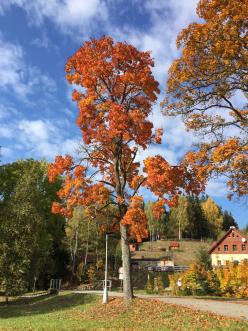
[{"x": 159, "y": 249}]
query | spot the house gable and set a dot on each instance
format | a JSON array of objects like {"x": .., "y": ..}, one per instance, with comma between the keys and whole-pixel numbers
[{"x": 232, "y": 242}]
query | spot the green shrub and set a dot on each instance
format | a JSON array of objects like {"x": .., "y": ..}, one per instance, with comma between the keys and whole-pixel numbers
[{"x": 158, "y": 284}]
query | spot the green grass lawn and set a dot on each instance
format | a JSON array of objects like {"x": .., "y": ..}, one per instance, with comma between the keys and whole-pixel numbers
[{"x": 86, "y": 312}]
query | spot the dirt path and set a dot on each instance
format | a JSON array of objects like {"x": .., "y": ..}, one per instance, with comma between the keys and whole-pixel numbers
[{"x": 226, "y": 308}]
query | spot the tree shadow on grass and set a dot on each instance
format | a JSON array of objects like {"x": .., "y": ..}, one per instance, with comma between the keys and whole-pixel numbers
[{"x": 44, "y": 305}]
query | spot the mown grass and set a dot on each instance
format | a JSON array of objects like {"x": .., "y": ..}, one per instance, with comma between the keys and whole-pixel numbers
[{"x": 86, "y": 312}]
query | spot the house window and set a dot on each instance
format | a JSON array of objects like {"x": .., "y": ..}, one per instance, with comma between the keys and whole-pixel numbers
[
  {"x": 225, "y": 248},
  {"x": 243, "y": 247},
  {"x": 234, "y": 248},
  {"x": 219, "y": 263}
]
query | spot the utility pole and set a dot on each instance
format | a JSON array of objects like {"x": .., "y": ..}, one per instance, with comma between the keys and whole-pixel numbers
[{"x": 105, "y": 291}]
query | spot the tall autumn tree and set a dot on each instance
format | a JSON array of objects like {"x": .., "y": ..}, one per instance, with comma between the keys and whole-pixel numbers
[
  {"x": 115, "y": 93},
  {"x": 214, "y": 217},
  {"x": 208, "y": 87}
]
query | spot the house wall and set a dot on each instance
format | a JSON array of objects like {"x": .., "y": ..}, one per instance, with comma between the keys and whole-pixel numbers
[
  {"x": 233, "y": 247},
  {"x": 223, "y": 258}
]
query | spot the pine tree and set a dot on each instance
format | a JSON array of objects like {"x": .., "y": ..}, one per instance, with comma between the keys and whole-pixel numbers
[{"x": 228, "y": 221}]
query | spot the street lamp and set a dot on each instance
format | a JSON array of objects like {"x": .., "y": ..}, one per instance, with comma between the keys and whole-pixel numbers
[{"x": 105, "y": 290}]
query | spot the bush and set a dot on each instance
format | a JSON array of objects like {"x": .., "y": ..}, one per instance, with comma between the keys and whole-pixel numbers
[
  {"x": 92, "y": 274},
  {"x": 173, "y": 278},
  {"x": 158, "y": 285},
  {"x": 229, "y": 282}
]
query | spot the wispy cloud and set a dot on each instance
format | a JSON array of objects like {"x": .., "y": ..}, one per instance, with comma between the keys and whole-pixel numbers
[
  {"x": 19, "y": 77},
  {"x": 69, "y": 16},
  {"x": 41, "y": 138},
  {"x": 217, "y": 188}
]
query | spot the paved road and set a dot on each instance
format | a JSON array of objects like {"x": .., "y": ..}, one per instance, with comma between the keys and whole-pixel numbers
[{"x": 225, "y": 308}]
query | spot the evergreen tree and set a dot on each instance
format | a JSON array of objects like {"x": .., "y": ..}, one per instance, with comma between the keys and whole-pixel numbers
[
  {"x": 188, "y": 219},
  {"x": 228, "y": 221},
  {"x": 198, "y": 226}
]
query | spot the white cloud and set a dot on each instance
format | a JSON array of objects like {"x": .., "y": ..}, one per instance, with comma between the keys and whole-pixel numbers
[
  {"x": 68, "y": 15},
  {"x": 19, "y": 77},
  {"x": 6, "y": 111},
  {"x": 37, "y": 130},
  {"x": 5, "y": 152},
  {"x": 167, "y": 18},
  {"x": 216, "y": 188},
  {"x": 6, "y": 131},
  {"x": 40, "y": 138}
]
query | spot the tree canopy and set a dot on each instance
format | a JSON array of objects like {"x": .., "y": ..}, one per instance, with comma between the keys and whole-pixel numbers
[
  {"x": 30, "y": 236},
  {"x": 207, "y": 86}
]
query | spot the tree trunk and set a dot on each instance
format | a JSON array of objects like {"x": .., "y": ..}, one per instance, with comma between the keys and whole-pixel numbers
[
  {"x": 179, "y": 231},
  {"x": 126, "y": 263},
  {"x": 126, "y": 258},
  {"x": 6, "y": 297},
  {"x": 87, "y": 244}
]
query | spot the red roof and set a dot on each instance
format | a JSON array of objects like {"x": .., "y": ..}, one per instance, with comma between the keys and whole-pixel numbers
[
  {"x": 174, "y": 244},
  {"x": 215, "y": 244}
]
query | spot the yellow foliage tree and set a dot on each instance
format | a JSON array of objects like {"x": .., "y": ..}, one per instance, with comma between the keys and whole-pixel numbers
[{"x": 214, "y": 217}]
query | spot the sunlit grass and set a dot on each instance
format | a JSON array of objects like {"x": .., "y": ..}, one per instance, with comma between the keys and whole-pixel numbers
[{"x": 86, "y": 312}]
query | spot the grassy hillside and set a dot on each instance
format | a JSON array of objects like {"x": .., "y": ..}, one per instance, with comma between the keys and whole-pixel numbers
[
  {"x": 86, "y": 312},
  {"x": 183, "y": 256}
]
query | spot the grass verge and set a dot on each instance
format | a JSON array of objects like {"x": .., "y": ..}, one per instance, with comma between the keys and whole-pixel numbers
[{"x": 86, "y": 312}]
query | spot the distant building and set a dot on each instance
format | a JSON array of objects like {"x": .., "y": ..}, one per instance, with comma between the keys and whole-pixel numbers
[
  {"x": 174, "y": 245},
  {"x": 232, "y": 247},
  {"x": 152, "y": 262}
]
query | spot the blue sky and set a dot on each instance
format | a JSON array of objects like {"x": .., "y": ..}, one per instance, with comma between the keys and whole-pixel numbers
[{"x": 37, "y": 116}]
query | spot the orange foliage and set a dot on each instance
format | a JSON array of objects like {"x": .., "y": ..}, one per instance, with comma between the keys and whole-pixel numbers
[
  {"x": 202, "y": 82},
  {"x": 168, "y": 182},
  {"x": 61, "y": 165},
  {"x": 229, "y": 157},
  {"x": 119, "y": 91},
  {"x": 135, "y": 217},
  {"x": 116, "y": 91}
]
